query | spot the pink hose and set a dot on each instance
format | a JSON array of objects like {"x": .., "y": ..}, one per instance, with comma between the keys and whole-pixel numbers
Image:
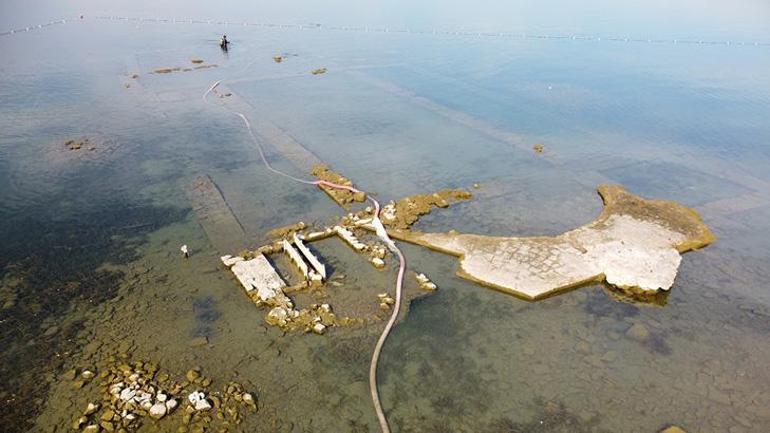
[
  {"x": 380, "y": 232},
  {"x": 394, "y": 315}
]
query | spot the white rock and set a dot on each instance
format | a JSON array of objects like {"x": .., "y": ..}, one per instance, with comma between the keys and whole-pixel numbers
[
  {"x": 161, "y": 397},
  {"x": 422, "y": 278},
  {"x": 198, "y": 400},
  {"x": 319, "y": 328},
  {"x": 195, "y": 396},
  {"x": 91, "y": 408},
  {"x": 248, "y": 398},
  {"x": 142, "y": 396},
  {"x": 158, "y": 410},
  {"x": 229, "y": 260},
  {"x": 278, "y": 315},
  {"x": 378, "y": 262},
  {"x": 202, "y": 405},
  {"x": 87, "y": 374},
  {"x": 127, "y": 394},
  {"x": 171, "y": 405},
  {"x": 146, "y": 405},
  {"x": 184, "y": 250}
]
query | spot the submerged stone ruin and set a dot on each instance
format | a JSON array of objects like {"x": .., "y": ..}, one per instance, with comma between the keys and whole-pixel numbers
[
  {"x": 265, "y": 286},
  {"x": 634, "y": 245}
]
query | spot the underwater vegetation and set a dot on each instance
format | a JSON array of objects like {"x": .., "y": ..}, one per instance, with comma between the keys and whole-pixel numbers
[
  {"x": 550, "y": 417},
  {"x": 53, "y": 264}
]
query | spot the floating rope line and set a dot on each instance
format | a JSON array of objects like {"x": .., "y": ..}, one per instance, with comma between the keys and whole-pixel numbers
[
  {"x": 381, "y": 233},
  {"x": 32, "y": 28},
  {"x": 388, "y": 29}
]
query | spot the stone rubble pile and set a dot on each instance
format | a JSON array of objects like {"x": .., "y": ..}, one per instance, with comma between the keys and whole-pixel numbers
[{"x": 135, "y": 392}]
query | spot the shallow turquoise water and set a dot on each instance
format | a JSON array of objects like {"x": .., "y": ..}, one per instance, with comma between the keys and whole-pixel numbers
[{"x": 93, "y": 236}]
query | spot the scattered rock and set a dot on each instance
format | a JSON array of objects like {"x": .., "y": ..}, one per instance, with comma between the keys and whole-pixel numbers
[
  {"x": 638, "y": 332},
  {"x": 425, "y": 282},
  {"x": 319, "y": 328},
  {"x": 378, "y": 262},
  {"x": 198, "y": 401},
  {"x": 93, "y": 428},
  {"x": 318, "y": 71},
  {"x": 673, "y": 429},
  {"x": 171, "y": 405},
  {"x": 199, "y": 341},
  {"x": 91, "y": 408},
  {"x": 538, "y": 148},
  {"x": 158, "y": 410},
  {"x": 78, "y": 423},
  {"x": 107, "y": 415},
  {"x": 51, "y": 331},
  {"x": 583, "y": 348},
  {"x": 196, "y": 61},
  {"x": 127, "y": 394},
  {"x": 76, "y": 144},
  {"x": 193, "y": 374},
  {"x": 87, "y": 374}
]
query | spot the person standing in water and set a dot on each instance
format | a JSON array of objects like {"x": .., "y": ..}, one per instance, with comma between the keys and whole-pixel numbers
[{"x": 223, "y": 42}]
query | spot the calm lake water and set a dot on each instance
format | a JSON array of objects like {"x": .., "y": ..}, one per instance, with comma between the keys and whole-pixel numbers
[{"x": 669, "y": 99}]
